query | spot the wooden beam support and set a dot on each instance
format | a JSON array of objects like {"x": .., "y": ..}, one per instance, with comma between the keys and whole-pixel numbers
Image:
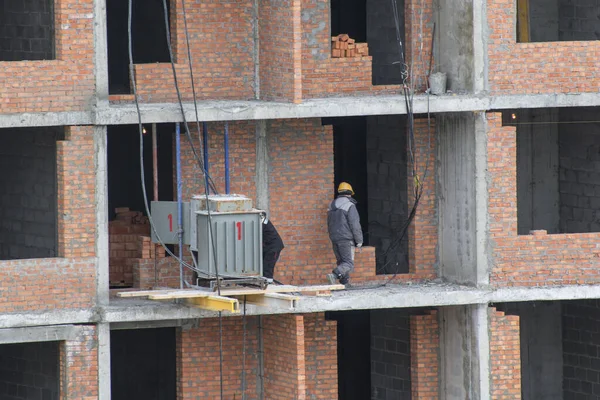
[
  {"x": 270, "y": 300},
  {"x": 215, "y": 303}
]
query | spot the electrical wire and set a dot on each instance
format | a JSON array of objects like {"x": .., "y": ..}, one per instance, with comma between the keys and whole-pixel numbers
[
  {"x": 179, "y": 98},
  {"x": 141, "y": 134},
  {"x": 207, "y": 178},
  {"x": 418, "y": 182}
]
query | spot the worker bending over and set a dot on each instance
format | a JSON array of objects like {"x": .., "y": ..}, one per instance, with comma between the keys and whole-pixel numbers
[
  {"x": 272, "y": 246},
  {"x": 345, "y": 232}
]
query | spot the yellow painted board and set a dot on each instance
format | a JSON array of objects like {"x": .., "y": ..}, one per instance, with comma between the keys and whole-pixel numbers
[{"x": 215, "y": 303}]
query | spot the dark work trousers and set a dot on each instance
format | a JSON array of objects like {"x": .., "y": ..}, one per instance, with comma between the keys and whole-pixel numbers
[
  {"x": 344, "y": 255},
  {"x": 270, "y": 258}
]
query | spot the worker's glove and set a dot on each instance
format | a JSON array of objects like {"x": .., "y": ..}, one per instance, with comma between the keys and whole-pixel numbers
[{"x": 359, "y": 245}]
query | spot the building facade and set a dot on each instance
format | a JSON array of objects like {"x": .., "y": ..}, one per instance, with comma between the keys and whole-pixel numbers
[{"x": 479, "y": 276}]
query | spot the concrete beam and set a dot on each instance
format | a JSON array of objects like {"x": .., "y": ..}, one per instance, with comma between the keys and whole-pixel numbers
[
  {"x": 132, "y": 311},
  {"x": 125, "y": 114},
  {"x": 339, "y": 107},
  {"x": 38, "y": 334}
]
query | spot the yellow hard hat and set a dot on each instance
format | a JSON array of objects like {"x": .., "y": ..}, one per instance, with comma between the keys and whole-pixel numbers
[{"x": 345, "y": 187}]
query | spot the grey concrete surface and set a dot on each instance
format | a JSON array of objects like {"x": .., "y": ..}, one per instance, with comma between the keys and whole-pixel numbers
[
  {"x": 100, "y": 54},
  {"x": 262, "y": 166},
  {"x": 462, "y": 203},
  {"x": 366, "y": 297},
  {"x": 101, "y": 197},
  {"x": 464, "y": 353},
  {"x": 104, "y": 379},
  {"x": 38, "y": 334},
  {"x": 124, "y": 114},
  {"x": 454, "y": 44}
]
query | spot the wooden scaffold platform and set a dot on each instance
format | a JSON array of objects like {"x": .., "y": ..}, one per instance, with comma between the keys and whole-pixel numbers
[{"x": 280, "y": 296}]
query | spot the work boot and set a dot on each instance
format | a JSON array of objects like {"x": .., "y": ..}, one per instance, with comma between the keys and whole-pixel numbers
[{"x": 331, "y": 278}]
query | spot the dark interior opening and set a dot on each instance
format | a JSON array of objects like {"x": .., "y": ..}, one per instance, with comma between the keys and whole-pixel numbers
[
  {"x": 350, "y": 162},
  {"x": 557, "y": 20},
  {"x": 559, "y": 348},
  {"x": 558, "y": 169},
  {"x": 372, "y": 21},
  {"x": 374, "y": 360},
  {"x": 370, "y": 154},
  {"x": 30, "y": 371},
  {"x": 143, "y": 364},
  {"x": 148, "y": 36},
  {"x": 28, "y": 184},
  {"x": 354, "y": 354},
  {"x": 124, "y": 174},
  {"x": 27, "y": 30}
]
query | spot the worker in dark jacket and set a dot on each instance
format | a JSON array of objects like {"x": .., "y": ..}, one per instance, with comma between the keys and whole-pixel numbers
[
  {"x": 272, "y": 246},
  {"x": 343, "y": 224}
]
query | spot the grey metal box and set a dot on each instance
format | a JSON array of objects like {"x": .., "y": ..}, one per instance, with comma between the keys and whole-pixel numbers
[
  {"x": 165, "y": 217},
  {"x": 237, "y": 250}
]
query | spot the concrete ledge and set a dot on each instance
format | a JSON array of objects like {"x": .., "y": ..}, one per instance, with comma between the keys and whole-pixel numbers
[
  {"x": 338, "y": 107},
  {"x": 38, "y": 334},
  {"x": 121, "y": 114},
  {"x": 140, "y": 313}
]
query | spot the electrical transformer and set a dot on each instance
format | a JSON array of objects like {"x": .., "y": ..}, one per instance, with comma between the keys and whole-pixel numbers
[{"x": 227, "y": 234}]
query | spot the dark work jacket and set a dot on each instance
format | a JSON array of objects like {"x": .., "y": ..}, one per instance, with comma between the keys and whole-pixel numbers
[
  {"x": 271, "y": 239},
  {"x": 343, "y": 222}
]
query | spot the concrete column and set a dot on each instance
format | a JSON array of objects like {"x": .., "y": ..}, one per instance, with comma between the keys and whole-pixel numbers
[
  {"x": 463, "y": 200},
  {"x": 464, "y": 352},
  {"x": 104, "y": 380},
  {"x": 101, "y": 199},
  {"x": 262, "y": 166},
  {"x": 480, "y": 47},
  {"x": 100, "y": 54}
]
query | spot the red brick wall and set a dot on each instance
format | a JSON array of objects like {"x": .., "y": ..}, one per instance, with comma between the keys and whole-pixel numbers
[
  {"x": 198, "y": 360},
  {"x": 419, "y": 34},
  {"x": 320, "y": 338},
  {"x": 529, "y": 260},
  {"x": 47, "y": 284},
  {"x": 423, "y": 231},
  {"x": 242, "y": 159},
  {"x": 323, "y": 76},
  {"x": 284, "y": 358},
  {"x": 222, "y": 45},
  {"x": 505, "y": 356},
  {"x": 280, "y": 52},
  {"x": 301, "y": 186},
  {"x": 549, "y": 67},
  {"x": 64, "y": 84},
  {"x": 76, "y": 178},
  {"x": 79, "y": 366},
  {"x": 424, "y": 351}
]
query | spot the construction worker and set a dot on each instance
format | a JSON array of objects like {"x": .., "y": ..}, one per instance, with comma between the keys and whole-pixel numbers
[
  {"x": 272, "y": 246},
  {"x": 343, "y": 224}
]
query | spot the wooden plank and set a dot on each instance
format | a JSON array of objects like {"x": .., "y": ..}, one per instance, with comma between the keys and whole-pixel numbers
[
  {"x": 281, "y": 289},
  {"x": 171, "y": 294},
  {"x": 523, "y": 21}
]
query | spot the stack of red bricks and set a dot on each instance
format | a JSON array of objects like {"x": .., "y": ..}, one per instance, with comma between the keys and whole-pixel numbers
[
  {"x": 129, "y": 240},
  {"x": 343, "y": 46}
]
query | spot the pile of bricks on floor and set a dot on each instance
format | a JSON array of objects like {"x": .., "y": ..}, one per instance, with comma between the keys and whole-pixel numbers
[
  {"x": 129, "y": 241},
  {"x": 343, "y": 46}
]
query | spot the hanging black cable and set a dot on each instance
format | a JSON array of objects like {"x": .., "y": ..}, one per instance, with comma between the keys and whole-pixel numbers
[{"x": 141, "y": 135}]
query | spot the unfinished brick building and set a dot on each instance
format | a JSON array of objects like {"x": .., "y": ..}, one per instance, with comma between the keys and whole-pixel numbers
[{"x": 491, "y": 293}]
